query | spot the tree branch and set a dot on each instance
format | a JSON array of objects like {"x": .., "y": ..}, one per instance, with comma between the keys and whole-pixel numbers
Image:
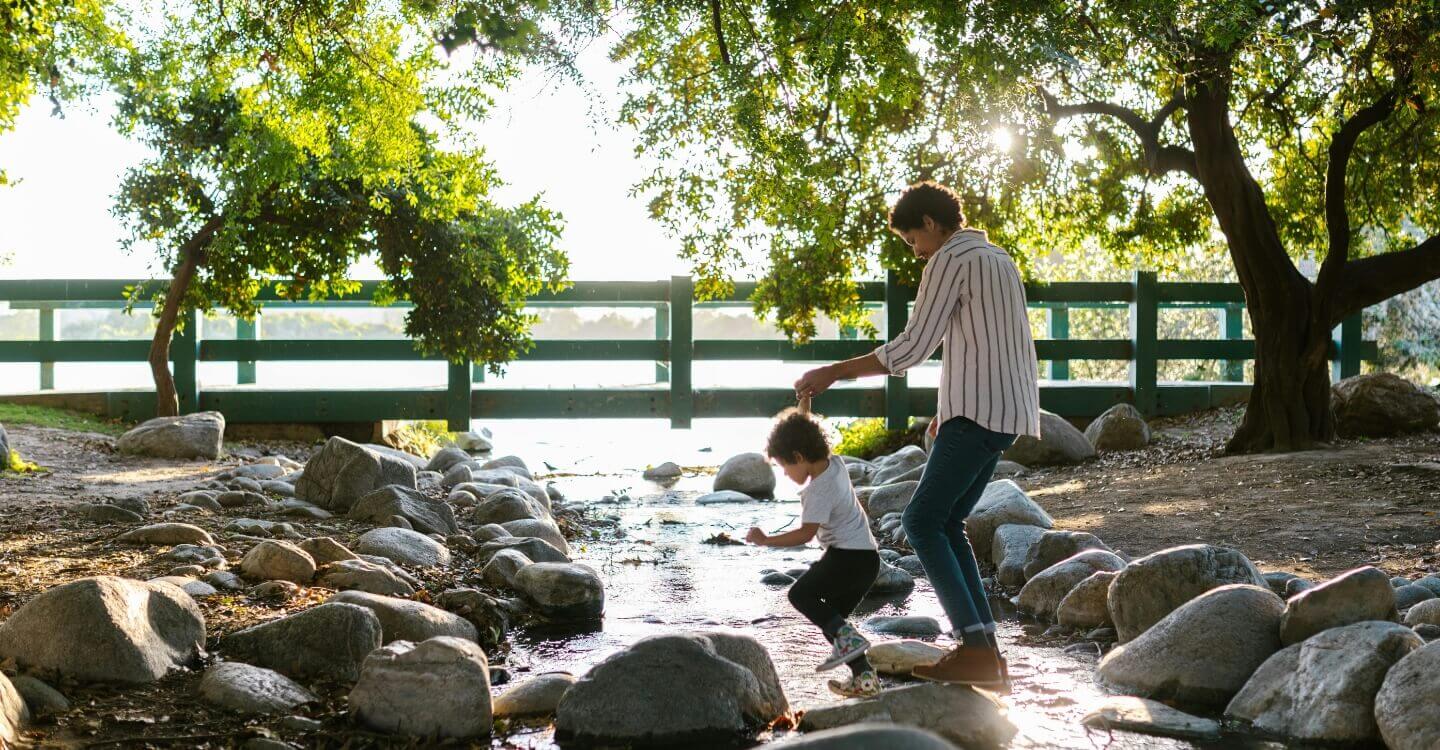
[
  {"x": 1159, "y": 159},
  {"x": 1342, "y": 145},
  {"x": 1373, "y": 280},
  {"x": 719, "y": 31}
]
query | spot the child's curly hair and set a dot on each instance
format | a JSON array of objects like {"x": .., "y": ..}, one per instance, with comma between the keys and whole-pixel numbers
[{"x": 797, "y": 432}]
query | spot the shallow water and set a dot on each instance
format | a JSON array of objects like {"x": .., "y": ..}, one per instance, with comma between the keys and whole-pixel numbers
[{"x": 662, "y": 579}]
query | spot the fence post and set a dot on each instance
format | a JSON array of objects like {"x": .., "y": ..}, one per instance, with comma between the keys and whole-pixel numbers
[
  {"x": 1059, "y": 330},
  {"x": 1144, "y": 319},
  {"x": 457, "y": 396},
  {"x": 1233, "y": 322},
  {"x": 682, "y": 350},
  {"x": 662, "y": 332},
  {"x": 897, "y": 390},
  {"x": 47, "y": 333},
  {"x": 185, "y": 359},
  {"x": 246, "y": 330},
  {"x": 1349, "y": 361}
]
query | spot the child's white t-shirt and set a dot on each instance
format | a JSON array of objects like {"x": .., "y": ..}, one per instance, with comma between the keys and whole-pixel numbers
[{"x": 829, "y": 500}]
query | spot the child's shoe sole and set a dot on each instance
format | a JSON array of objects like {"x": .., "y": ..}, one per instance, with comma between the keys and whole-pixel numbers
[{"x": 836, "y": 661}]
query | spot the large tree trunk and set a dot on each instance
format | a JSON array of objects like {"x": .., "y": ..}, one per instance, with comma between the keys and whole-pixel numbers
[
  {"x": 167, "y": 402},
  {"x": 1290, "y": 403}
]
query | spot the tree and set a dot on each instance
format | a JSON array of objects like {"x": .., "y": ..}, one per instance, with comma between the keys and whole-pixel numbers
[
  {"x": 291, "y": 140},
  {"x": 1142, "y": 129}
]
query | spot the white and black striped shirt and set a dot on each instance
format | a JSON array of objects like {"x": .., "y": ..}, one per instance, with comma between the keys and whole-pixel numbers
[{"x": 971, "y": 298}]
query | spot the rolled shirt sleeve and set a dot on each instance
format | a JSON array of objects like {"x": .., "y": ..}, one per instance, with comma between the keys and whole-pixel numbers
[{"x": 935, "y": 301}]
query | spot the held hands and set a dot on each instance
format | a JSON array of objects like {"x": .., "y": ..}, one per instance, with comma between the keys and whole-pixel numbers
[
  {"x": 934, "y": 428},
  {"x": 814, "y": 382},
  {"x": 755, "y": 536}
]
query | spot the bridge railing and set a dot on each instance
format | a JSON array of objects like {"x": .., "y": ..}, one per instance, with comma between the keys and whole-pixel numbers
[{"x": 675, "y": 350}]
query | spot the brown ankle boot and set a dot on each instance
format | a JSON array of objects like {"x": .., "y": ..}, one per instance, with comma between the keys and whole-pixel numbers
[{"x": 966, "y": 665}]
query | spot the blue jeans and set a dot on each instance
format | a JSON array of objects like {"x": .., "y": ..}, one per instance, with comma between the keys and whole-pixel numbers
[{"x": 960, "y": 465}]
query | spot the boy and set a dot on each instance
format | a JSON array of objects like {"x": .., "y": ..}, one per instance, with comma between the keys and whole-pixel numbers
[{"x": 828, "y": 592}]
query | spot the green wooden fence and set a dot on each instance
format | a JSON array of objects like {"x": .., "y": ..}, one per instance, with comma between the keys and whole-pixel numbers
[{"x": 675, "y": 352}]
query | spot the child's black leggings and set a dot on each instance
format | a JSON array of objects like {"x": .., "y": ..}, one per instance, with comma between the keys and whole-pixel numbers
[{"x": 829, "y": 591}]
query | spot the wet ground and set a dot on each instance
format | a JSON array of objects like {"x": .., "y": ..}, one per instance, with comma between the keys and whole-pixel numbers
[{"x": 661, "y": 578}]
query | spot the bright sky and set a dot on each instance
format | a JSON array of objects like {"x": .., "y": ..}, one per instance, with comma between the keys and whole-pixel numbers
[{"x": 56, "y": 222}]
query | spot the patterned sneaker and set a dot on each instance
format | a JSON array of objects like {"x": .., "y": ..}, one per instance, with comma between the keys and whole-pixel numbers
[
  {"x": 849, "y": 646},
  {"x": 862, "y": 685}
]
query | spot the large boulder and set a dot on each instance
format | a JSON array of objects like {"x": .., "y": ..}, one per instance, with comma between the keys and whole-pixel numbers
[
  {"x": 403, "y": 546},
  {"x": 1323, "y": 690},
  {"x": 1120, "y": 428},
  {"x": 537, "y": 696},
  {"x": 13, "y": 712},
  {"x": 534, "y": 548},
  {"x": 538, "y": 528},
  {"x": 1424, "y": 613},
  {"x": 507, "y": 505},
  {"x": 1059, "y": 443},
  {"x": 1379, "y": 404},
  {"x": 406, "y": 620},
  {"x": 1042, "y": 594},
  {"x": 871, "y": 736},
  {"x": 963, "y": 715},
  {"x": 363, "y": 575},
  {"x": 1085, "y": 607},
  {"x": 898, "y": 464},
  {"x": 890, "y": 498},
  {"x": 1202, "y": 653},
  {"x": 1010, "y": 547},
  {"x": 708, "y": 697},
  {"x": 325, "y": 550},
  {"x": 1058, "y": 545},
  {"x": 750, "y": 654},
  {"x": 439, "y": 688},
  {"x": 1153, "y": 586},
  {"x": 325, "y": 642},
  {"x": 249, "y": 689},
  {"x": 105, "y": 629},
  {"x": 1360, "y": 595},
  {"x": 426, "y": 515},
  {"x": 343, "y": 472},
  {"x": 198, "y": 435},
  {"x": 275, "y": 560},
  {"x": 1405, "y": 705},
  {"x": 562, "y": 591},
  {"x": 1003, "y": 502},
  {"x": 749, "y": 473}
]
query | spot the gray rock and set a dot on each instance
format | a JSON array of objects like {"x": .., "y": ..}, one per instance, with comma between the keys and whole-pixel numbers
[
  {"x": 490, "y": 616},
  {"x": 406, "y": 620},
  {"x": 1202, "y": 653},
  {"x": 404, "y": 546},
  {"x": 132, "y": 631},
  {"x": 1153, "y": 586},
  {"x": 1002, "y": 503},
  {"x": 1085, "y": 607},
  {"x": 1042, "y": 594},
  {"x": 362, "y": 575},
  {"x": 1059, "y": 443},
  {"x": 474, "y": 442},
  {"x": 903, "y": 625},
  {"x": 1120, "y": 428},
  {"x": 890, "y": 468},
  {"x": 107, "y": 513},
  {"x": 1427, "y": 631},
  {"x": 562, "y": 591},
  {"x": 667, "y": 470},
  {"x": 512, "y": 464},
  {"x": 223, "y": 580},
  {"x": 343, "y": 472},
  {"x": 721, "y": 699},
  {"x": 537, "y": 550},
  {"x": 963, "y": 715},
  {"x": 776, "y": 578},
  {"x": 1424, "y": 613},
  {"x": 1411, "y": 595},
  {"x": 250, "y": 689},
  {"x": 890, "y": 498},
  {"x": 1055, "y": 546},
  {"x": 195, "y": 588},
  {"x": 891, "y": 580},
  {"x": 537, "y": 696},
  {"x": 439, "y": 688},
  {"x": 749, "y": 473},
  {"x": 277, "y": 591},
  {"x": 462, "y": 473},
  {"x": 859, "y": 471},
  {"x": 277, "y": 487},
  {"x": 241, "y": 499},
  {"x": 325, "y": 550},
  {"x": 1380, "y": 404},
  {"x": 1405, "y": 704},
  {"x": 724, "y": 496},
  {"x": 1279, "y": 581},
  {"x": 1296, "y": 585},
  {"x": 500, "y": 571},
  {"x": 1357, "y": 596},
  {"x": 167, "y": 533},
  {"x": 538, "y": 528},
  {"x": 750, "y": 654},
  {"x": 196, "y": 435},
  {"x": 325, "y": 642},
  {"x": 1010, "y": 547},
  {"x": 425, "y": 515},
  {"x": 274, "y": 560},
  {"x": 1323, "y": 690},
  {"x": 911, "y": 564},
  {"x": 871, "y": 736},
  {"x": 13, "y": 712},
  {"x": 4, "y": 450},
  {"x": 1399, "y": 581},
  {"x": 900, "y": 657},
  {"x": 40, "y": 698},
  {"x": 507, "y": 505},
  {"x": 1130, "y": 714},
  {"x": 202, "y": 499},
  {"x": 445, "y": 458},
  {"x": 490, "y": 532}
]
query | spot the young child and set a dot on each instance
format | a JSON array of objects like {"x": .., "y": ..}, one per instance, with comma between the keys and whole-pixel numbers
[{"x": 828, "y": 592}]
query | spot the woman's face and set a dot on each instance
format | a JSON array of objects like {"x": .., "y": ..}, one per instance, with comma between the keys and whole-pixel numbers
[{"x": 926, "y": 240}]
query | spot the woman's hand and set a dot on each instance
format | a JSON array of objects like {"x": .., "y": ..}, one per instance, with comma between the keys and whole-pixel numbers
[
  {"x": 815, "y": 382},
  {"x": 755, "y": 536},
  {"x": 934, "y": 428}
]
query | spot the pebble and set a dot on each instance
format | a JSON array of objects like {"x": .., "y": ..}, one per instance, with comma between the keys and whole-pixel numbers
[{"x": 777, "y": 579}]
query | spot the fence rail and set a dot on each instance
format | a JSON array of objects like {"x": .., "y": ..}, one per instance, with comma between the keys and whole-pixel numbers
[{"x": 674, "y": 352}]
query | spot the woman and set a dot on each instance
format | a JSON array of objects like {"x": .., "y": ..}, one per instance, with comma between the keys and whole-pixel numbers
[{"x": 971, "y": 298}]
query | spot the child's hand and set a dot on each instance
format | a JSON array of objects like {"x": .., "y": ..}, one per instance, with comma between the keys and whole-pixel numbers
[
  {"x": 804, "y": 405},
  {"x": 755, "y": 535}
]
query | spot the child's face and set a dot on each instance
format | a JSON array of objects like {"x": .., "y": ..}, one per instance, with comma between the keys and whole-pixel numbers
[{"x": 797, "y": 472}]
